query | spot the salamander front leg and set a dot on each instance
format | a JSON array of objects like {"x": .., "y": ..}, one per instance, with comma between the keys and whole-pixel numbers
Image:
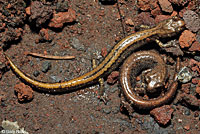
[
  {"x": 101, "y": 94},
  {"x": 163, "y": 45}
]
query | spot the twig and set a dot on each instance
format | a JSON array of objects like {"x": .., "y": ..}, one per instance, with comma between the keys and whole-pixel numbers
[{"x": 51, "y": 57}]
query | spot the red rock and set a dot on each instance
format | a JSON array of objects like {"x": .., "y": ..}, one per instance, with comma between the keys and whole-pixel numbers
[
  {"x": 28, "y": 10},
  {"x": 24, "y": 92},
  {"x": 62, "y": 17},
  {"x": 187, "y": 127},
  {"x": 104, "y": 52},
  {"x": 45, "y": 35},
  {"x": 156, "y": 11},
  {"x": 191, "y": 100},
  {"x": 197, "y": 90},
  {"x": 160, "y": 18},
  {"x": 182, "y": 12},
  {"x": 195, "y": 68},
  {"x": 179, "y": 2},
  {"x": 192, "y": 20},
  {"x": 166, "y": 6},
  {"x": 162, "y": 114},
  {"x": 186, "y": 88},
  {"x": 192, "y": 62},
  {"x": 192, "y": 5},
  {"x": 195, "y": 81},
  {"x": 113, "y": 77},
  {"x": 144, "y": 18},
  {"x": 195, "y": 46},
  {"x": 129, "y": 22},
  {"x": 186, "y": 39},
  {"x": 144, "y": 5},
  {"x": 174, "y": 13}
]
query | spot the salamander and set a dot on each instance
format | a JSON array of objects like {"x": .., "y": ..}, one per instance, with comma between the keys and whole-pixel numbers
[
  {"x": 165, "y": 28},
  {"x": 155, "y": 79}
]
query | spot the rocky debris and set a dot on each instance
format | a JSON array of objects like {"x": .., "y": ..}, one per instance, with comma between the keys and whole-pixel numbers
[
  {"x": 45, "y": 35},
  {"x": 174, "y": 48},
  {"x": 187, "y": 127},
  {"x": 46, "y": 66},
  {"x": 189, "y": 99},
  {"x": 3, "y": 62},
  {"x": 146, "y": 5},
  {"x": 39, "y": 13},
  {"x": 75, "y": 43},
  {"x": 160, "y": 18},
  {"x": 144, "y": 18},
  {"x": 24, "y": 92},
  {"x": 184, "y": 75},
  {"x": 192, "y": 20},
  {"x": 195, "y": 46},
  {"x": 11, "y": 34},
  {"x": 62, "y": 6},
  {"x": 166, "y": 6},
  {"x": 197, "y": 90},
  {"x": 179, "y": 2},
  {"x": 104, "y": 52},
  {"x": 12, "y": 12},
  {"x": 113, "y": 77},
  {"x": 59, "y": 19},
  {"x": 162, "y": 114},
  {"x": 186, "y": 39},
  {"x": 12, "y": 16},
  {"x": 194, "y": 65}
]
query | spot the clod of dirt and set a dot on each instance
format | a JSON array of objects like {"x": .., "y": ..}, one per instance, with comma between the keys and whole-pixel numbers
[
  {"x": 146, "y": 5},
  {"x": 192, "y": 20},
  {"x": 2, "y": 63},
  {"x": 39, "y": 13},
  {"x": 24, "y": 92},
  {"x": 59, "y": 19},
  {"x": 12, "y": 16},
  {"x": 186, "y": 39},
  {"x": 190, "y": 99},
  {"x": 197, "y": 90},
  {"x": 179, "y": 2},
  {"x": 174, "y": 48},
  {"x": 12, "y": 12},
  {"x": 113, "y": 77},
  {"x": 166, "y": 6},
  {"x": 11, "y": 34},
  {"x": 160, "y": 18},
  {"x": 104, "y": 52},
  {"x": 62, "y": 6},
  {"x": 144, "y": 18},
  {"x": 162, "y": 114},
  {"x": 195, "y": 46},
  {"x": 45, "y": 35}
]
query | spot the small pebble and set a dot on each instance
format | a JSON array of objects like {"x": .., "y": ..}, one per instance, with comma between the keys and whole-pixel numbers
[
  {"x": 192, "y": 20},
  {"x": 115, "y": 110},
  {"x": 184, "y": 75},
  {"x": 107, "y": 110},
  {"x": 75, "y": 43},
  {"x": 197, "y": 58},
  {"x": 187, "y": 112},
  {"x": 46, "y": 65},
  {"x": 36, "y": 73},
  {"x": 55, "y": 78}
]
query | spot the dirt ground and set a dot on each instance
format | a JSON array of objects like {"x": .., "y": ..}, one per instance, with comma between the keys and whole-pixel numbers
[{"x": 89, "y": 31}]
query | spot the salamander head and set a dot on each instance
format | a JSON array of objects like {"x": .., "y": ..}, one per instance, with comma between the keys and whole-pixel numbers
[{"x": 170, "y": 27}]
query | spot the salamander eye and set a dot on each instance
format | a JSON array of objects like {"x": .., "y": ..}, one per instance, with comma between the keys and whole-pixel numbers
[{"x": 158, "y": 85}]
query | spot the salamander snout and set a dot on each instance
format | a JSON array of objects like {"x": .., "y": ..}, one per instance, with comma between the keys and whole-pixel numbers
[{"x": 170, "y": 27}]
